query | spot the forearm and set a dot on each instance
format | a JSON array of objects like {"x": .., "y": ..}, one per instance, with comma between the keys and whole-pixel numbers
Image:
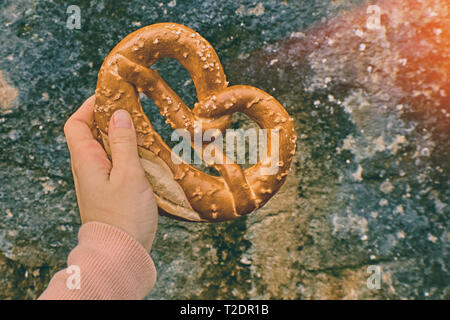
[{"x": 111, "y": 265}]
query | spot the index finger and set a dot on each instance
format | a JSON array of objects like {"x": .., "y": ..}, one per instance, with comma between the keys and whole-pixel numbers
[{"x": 79, "y": 126}]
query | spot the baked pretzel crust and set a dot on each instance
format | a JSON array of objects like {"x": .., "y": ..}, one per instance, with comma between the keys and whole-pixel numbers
[{"x": 181, "y": 189}]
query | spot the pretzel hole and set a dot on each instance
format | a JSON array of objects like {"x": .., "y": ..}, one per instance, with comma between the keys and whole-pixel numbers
[
  {"x": 180, "y": 81},
  {"x": 245, "y": 155}
]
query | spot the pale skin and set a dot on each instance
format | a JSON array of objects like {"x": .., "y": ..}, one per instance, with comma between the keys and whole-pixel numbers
[{"x": 116, "y": 191}]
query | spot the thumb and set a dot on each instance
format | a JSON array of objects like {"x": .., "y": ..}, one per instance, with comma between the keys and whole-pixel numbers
[{"x": 122, "y": 141}]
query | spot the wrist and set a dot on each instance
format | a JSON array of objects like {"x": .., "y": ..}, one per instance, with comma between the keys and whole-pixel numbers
[{"x": 121, "y": 263}]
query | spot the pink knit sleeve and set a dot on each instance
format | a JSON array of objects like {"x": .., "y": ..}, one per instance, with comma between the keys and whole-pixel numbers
[{"x": 107, "y": 264}]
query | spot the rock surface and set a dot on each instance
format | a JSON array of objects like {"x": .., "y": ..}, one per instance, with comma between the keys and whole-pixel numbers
[{"x": 369, "y": 184}]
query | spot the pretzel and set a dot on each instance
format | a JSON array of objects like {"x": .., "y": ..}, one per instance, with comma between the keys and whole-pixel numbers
[{"x": 181, "y": 190}]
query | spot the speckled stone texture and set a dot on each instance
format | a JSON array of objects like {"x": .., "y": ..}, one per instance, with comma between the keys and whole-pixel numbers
[{"x": 369, "y": 183}]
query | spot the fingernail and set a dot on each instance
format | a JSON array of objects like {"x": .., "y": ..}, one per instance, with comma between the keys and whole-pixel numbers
[{"x": 122, "y": 119}]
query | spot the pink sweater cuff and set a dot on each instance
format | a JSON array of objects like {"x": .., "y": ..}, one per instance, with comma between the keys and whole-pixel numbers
[{"x": 107, "y": 264}]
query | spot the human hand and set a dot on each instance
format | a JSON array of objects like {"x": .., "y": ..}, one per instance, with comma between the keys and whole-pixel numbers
[{"x": 117, "y": 192}]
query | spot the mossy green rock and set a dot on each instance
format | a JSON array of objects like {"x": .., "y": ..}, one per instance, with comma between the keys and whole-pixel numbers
[{"x": 368, "y": 186}]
